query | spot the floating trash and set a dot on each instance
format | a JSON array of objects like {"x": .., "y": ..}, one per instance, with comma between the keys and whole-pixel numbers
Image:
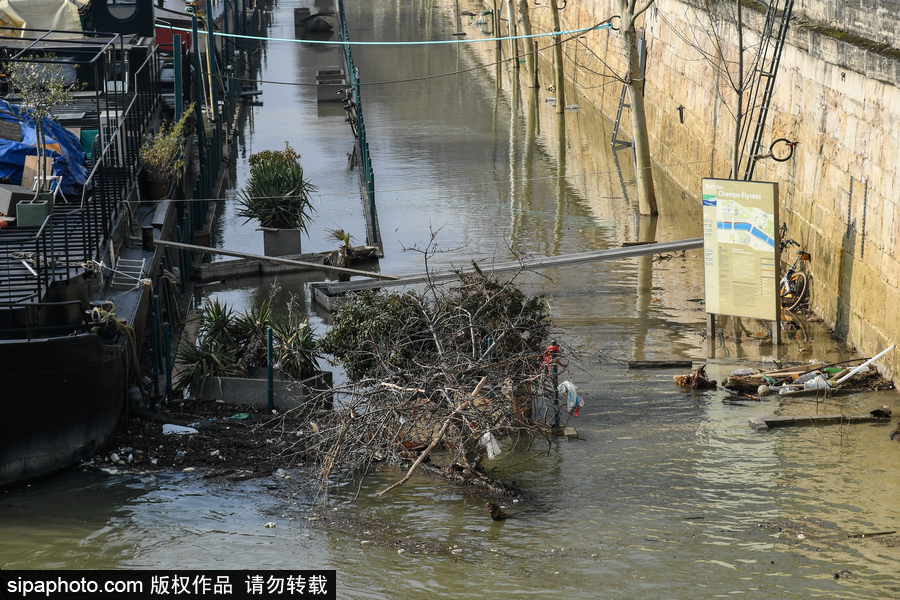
[{"x": 169, "y": 429}]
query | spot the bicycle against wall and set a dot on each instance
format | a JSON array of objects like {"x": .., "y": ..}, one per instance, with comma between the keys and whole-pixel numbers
[{"x": 794, "y": 282}]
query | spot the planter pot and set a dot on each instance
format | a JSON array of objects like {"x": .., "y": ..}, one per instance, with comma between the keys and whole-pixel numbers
[
  {"x": 156, "y": 189},
  {"x": 281, "y": 242},
  {"x": 33, "y": 214}
]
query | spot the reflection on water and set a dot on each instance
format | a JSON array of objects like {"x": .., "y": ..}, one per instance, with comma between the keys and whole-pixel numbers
[{"x": 667, "y": 493}]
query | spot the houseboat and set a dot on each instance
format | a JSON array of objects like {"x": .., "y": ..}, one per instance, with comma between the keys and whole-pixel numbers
[{"x": 81, "y": 284}]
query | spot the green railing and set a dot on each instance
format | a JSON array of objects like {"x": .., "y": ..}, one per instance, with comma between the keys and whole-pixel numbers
[{"x": 373, "y": 235}]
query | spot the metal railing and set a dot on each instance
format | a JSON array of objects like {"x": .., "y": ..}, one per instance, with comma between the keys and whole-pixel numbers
[
  {"x": 75, "y": 236},
  {"x": 373, "y": 235}
]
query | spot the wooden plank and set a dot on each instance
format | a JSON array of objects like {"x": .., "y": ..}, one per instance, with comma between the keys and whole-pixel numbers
[
  {"x": 798, "y": 370},
  {"x": 660, "y": 364},
  {"x": 803, "y": 420}
]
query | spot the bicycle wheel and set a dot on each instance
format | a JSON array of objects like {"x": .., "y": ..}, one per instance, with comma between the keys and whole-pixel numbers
[{"x": 798, "y": 291}]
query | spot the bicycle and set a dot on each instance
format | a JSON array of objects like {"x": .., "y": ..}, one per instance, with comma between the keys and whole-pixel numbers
[{"x": 794, "y": 283}]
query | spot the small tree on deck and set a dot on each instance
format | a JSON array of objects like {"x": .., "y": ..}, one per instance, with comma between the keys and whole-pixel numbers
[{"x": 40, "y": 85}]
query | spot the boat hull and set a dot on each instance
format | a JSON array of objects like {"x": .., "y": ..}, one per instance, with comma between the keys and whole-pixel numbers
[{"x": 61, "y": 400}]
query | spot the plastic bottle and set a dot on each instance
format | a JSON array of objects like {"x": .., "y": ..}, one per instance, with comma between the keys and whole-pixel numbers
[
  {"x": 817, "y": 383},
  {"x": 807, "y": 377},
  {"x": 742, "y": 372}
]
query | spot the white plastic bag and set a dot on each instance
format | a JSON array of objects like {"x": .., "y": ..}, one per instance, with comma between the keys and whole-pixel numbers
[
  {"x": 177, "y": 430},
  {"x": 575, "y": 403},
  {"x": 490, "y": 442}
]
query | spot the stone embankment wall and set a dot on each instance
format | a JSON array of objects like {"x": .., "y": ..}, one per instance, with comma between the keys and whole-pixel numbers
[{"x": 837, "y": 94}]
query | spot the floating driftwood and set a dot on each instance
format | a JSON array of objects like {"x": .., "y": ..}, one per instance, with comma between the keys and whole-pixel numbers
[
  {"x": 696, "y": 380},
  {"x": 659, "y": 364},
  {"x": 875, "y": 534},
  {"x": 760, "y": 423}
]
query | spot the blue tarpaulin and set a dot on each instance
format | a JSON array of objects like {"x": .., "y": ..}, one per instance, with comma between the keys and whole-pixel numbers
[{"x": 67, "y": 164}]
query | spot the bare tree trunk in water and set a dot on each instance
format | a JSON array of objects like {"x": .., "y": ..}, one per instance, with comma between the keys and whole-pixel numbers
[
  {"x": 528, "y": 44},
  {"x": 512, "y": 28},
  {"x": 630, "y": 11},
  {"x": 559, "y": 75}
]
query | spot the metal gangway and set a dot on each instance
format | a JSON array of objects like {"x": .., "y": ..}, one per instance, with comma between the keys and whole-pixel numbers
[{"x": 339, "y": 288}]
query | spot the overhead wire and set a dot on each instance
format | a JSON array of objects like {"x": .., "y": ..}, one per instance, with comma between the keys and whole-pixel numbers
[
  {"x": 572, "y": 35},
  {"x": 575, "y": 34}
]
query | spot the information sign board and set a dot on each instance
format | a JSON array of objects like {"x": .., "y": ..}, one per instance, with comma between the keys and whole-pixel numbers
[{"x": 740, "y": 248}]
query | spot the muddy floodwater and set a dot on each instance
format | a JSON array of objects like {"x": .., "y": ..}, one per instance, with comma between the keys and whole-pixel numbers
[{"x": 666, "y": 493}]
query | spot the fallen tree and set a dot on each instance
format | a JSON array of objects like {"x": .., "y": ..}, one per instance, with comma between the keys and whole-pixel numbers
[{"x": 460, "y": 367}]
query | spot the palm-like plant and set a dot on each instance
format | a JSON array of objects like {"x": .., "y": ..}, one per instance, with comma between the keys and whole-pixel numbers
[
  {"x": 200, "y": 362},
  {"x": 296, "y": 348},
  {"x": 233, "y": 344},
  {"x": 277, "y": 194}
]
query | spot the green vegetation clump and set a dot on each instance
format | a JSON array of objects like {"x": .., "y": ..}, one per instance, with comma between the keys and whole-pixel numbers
[
  {"x": 479, "y": 322},
  {"x": 234, "y": 345},
  {"x": 162, "y": 154},
  {"x": 277, "y": 194}
]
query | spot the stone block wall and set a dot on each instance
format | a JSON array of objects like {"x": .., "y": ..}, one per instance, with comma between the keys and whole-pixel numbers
[
  {"x": 837, "y": 94},
  {"x": 875, "y": 20}
]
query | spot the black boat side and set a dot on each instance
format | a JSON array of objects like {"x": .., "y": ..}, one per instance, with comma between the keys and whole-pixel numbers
[
  {"x": 62, "y": 398},
  {"x": 76, "y": 291}
]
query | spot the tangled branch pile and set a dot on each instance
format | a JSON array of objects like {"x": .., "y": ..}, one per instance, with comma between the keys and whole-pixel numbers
[{"x": 456, "y": 367}]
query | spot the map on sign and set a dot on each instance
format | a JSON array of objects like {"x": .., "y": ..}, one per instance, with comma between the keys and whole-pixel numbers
[
  {"x": 738, "y": 224},
  {"x": 740, "y": 237}
]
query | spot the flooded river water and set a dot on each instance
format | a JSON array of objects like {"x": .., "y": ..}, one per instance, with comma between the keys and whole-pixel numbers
[{"x": 666, "y": 494}]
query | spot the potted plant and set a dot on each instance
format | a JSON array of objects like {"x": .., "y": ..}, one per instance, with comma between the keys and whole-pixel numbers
[
  {"x": 41, "y": 86},
  {"x": 162, "y": 156},
  {"x": 277, "y": 194},
  {"x": 343, "y": 256}
]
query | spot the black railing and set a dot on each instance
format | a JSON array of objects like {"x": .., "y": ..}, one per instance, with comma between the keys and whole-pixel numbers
[{"x": 77, "y": 232}]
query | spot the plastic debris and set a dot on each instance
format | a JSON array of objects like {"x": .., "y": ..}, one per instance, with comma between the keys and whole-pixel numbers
[
  {"x": 240, "y": 416},
  {"x": 575, "y": 403},
  {"x": 817, "y": 383},
  {"x": 169, "y": 429},
  {"x": 807, "y": 377},
  {"x": 270, "y": 524},
  {"x": 864, "y": 365},
  {"x": 490, "y": 442}
]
